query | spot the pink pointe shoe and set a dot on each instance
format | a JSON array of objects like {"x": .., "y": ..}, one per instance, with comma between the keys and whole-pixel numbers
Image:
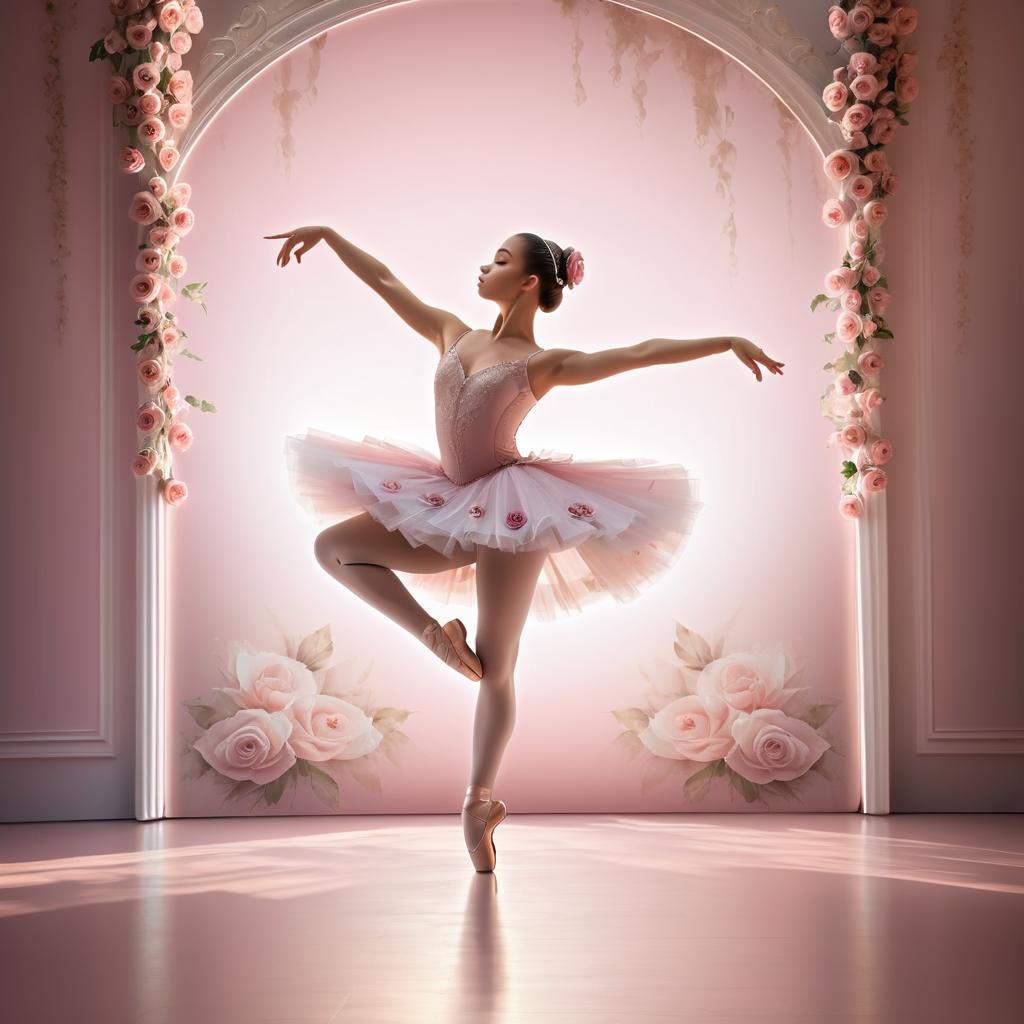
[
  {"x": 449, "y": 643},
  {"x": 484, "y": 855}
]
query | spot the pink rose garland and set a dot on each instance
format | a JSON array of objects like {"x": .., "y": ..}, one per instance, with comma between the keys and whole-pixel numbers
[
  {"x": 867, "y": 98},
  {"x": 152, "y": 97}
]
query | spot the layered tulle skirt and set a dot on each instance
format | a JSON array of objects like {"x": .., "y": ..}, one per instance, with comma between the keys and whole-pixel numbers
[{"x": 610, "y": 526}]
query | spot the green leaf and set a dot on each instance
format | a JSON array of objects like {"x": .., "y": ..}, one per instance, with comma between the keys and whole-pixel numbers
[
  {"x": 97, "y": 51},
  {"x": 189, "y": 354},
  {"x": 743, "y": 786},
  {"x": 633, "y": 719},
  {"x": 698, "y": 784},
  {"x": 204, "y": 715},
  {"x": 316, "y": 648},
  {"x": 849, "y": 468},
  {"x": 818, "y": 300},
  {"x": 828, "y": 337},
  {"x": 817, "y": 715},
  {"x": 325, "y": 786}
]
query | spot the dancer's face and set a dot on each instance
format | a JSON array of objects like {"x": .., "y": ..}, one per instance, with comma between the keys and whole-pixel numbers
[{"x": 503, "y": 279}]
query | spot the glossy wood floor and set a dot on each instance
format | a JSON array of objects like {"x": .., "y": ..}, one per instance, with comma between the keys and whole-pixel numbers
[{"x": 588, "y": 918}]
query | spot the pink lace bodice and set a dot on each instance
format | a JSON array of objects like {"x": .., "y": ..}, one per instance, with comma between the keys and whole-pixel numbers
[{"x": 477, "y": 416}]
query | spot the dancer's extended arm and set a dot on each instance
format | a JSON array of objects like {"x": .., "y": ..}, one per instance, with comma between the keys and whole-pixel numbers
[
  {"x": 565, "y": 366},
  {"x": 433, "y": 323}
]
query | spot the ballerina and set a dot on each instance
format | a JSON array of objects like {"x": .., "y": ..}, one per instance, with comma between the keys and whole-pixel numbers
[{"x": 542, "y": 533}]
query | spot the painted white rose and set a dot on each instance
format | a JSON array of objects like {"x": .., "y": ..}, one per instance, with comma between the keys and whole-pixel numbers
[
  {"x": 325, "y": 728},
  {"x": 250, "y": 745},
  {"x": 746, "y": 681},
  {"x": 693, "y": 728},
  {"x": 771, "y": 745},
  {"x": 269, "y": 681}
]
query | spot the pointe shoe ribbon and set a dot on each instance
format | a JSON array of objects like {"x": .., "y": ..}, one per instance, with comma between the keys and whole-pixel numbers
[{"x": 440, "y": 640}]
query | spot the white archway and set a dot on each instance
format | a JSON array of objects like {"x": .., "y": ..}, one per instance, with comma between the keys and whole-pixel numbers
[{"x": 787, "y": 65}]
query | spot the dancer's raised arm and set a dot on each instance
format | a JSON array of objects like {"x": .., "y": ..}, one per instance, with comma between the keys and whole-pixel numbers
[
  {"x": 433, "y": 323},
  {"x": 566, "y": 366}
]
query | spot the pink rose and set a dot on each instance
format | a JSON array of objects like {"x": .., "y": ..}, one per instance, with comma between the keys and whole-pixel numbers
[
  {"x": 851, "y": 506},
  {"x": 907, "y": 89},
  {"x": 870, "y": 362},
  {"x": 269, "y": 681},
  {"x": 177, "y": 266},
  {"x": 515, "y": 519},
  {"x": 880, "y": 34},
  {"x": 325, "y": 728},
  {"x": 174, "y": 61},
  {"x": 181, "y": 42},
  {"x": 844, "y": 384},
  {"x": 880, "y": 451},
  {"x": 904, "y": 20},
  {"x": 171, "y": 16},
  {"x": 863, "y": 63},
  {"x": 574, "y": 268},
  {"x": 167, "y": 293},
  {"x": 180, "y": 194},
  {"x": 150, "y": 103},
  {"x": 581, "y": 510},
  {"x": 130, "y": 113},
  {"x": 433, "y": 498},
  {"x": 148, "y": 259},
  {"x": 864, "y": 88},
  {"x": 149, "y": 417},
  {"x": 151, "y": 130},
  {"x": 114, "y": 42},
  {"x": 252, "y": 745},
  {"x": 860, "y": 18},
  {"x": 145, "y": 287},
  {"x": 852, "y": 435},
  {"x": 156, "y": 52},
  {"x": 144, "y": 208},
  {"x": 174, "y": 493},
  {"x": 158, "y": 186},
  {"x": 131, "y": 160},
  {"x": 907, "y": 63},
  {"x": 194, "y": 20},
  {"x": 857, "y": 248},
  {"x": 118, "y": 90},
  {"x": 875, "y": 212},
  {"x": 841, "y": 74},
  {"x": 836, "y": 211},
  {"x": 139, "y": 36},
  {"x": 834, "y": 96},
  {"x": 838, "y": 22},
  {"x": 889, "y": 182},
  {"x": 144, "y": 461},
  {"x": 869, "y": 398},
  {"x": 882, "y": 132},
  {"x": 170, "y": 337},
  {"x": 838, "y": 280},
  {"x": 771, "y": 745},
  {"x": 856, "y": 118},
  {"x": 878, "y": 299},
  {"x": 146, "y": 76},
  {"x": 851, "y": 300},
  {"x": 858, "y": 227},
  {"x": 158, "y": 235},
  {"x": 840, "y": 164},
  {"x": 151, "y": 372},
  {"x": 848, "y": 325},
  {"x": 746, "y": 681},
  {"x": 179, "y": 114},
  {"x": 870, "y": 275},
  {"x": 691, "y": 728},
  {"x": 180, "y": 85},
  {"x": 861, "y": 187},
  {"x": 168, "y": 155},
  {"x": 179, "y": 436},
  {"x": 391, "y": 485},
  {"x": 182, "y": 220},
  {"x": 871, "y": 481},
  {"x": 476, "y": 511},
  {"x": 148, "y": 318}
]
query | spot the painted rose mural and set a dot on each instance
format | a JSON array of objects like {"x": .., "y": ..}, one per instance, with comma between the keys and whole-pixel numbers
[
  {"x": 735, "y": 717},
  {"x": 287, "y": 717}
]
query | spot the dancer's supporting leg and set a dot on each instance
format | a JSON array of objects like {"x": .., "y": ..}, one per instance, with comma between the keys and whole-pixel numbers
[
  {"x": 505, "y": 583},
  {"x": 361, "y": 553}
]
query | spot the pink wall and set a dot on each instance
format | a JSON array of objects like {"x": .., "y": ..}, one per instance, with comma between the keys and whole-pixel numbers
[{"x": 388, "y": 182}]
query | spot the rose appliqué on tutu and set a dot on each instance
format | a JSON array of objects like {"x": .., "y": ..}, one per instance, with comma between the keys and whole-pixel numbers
[
  {"x": 391, "y": 485},
  {"x": 515, "y": 519},
  {"x": 581, "y": 510},
  {"x": 476, "y": 511},
  {"x": 433, "y": 498}
]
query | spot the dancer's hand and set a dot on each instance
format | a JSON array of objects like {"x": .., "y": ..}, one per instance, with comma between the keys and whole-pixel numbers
[
  {"x": 305, "y": 237},
  {"x": 750, "y": 355}
]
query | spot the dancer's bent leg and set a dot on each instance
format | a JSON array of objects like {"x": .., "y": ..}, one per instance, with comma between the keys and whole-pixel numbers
[
  {"x": 505, "y": 584},
  {"x": 361, "y": 554}
]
